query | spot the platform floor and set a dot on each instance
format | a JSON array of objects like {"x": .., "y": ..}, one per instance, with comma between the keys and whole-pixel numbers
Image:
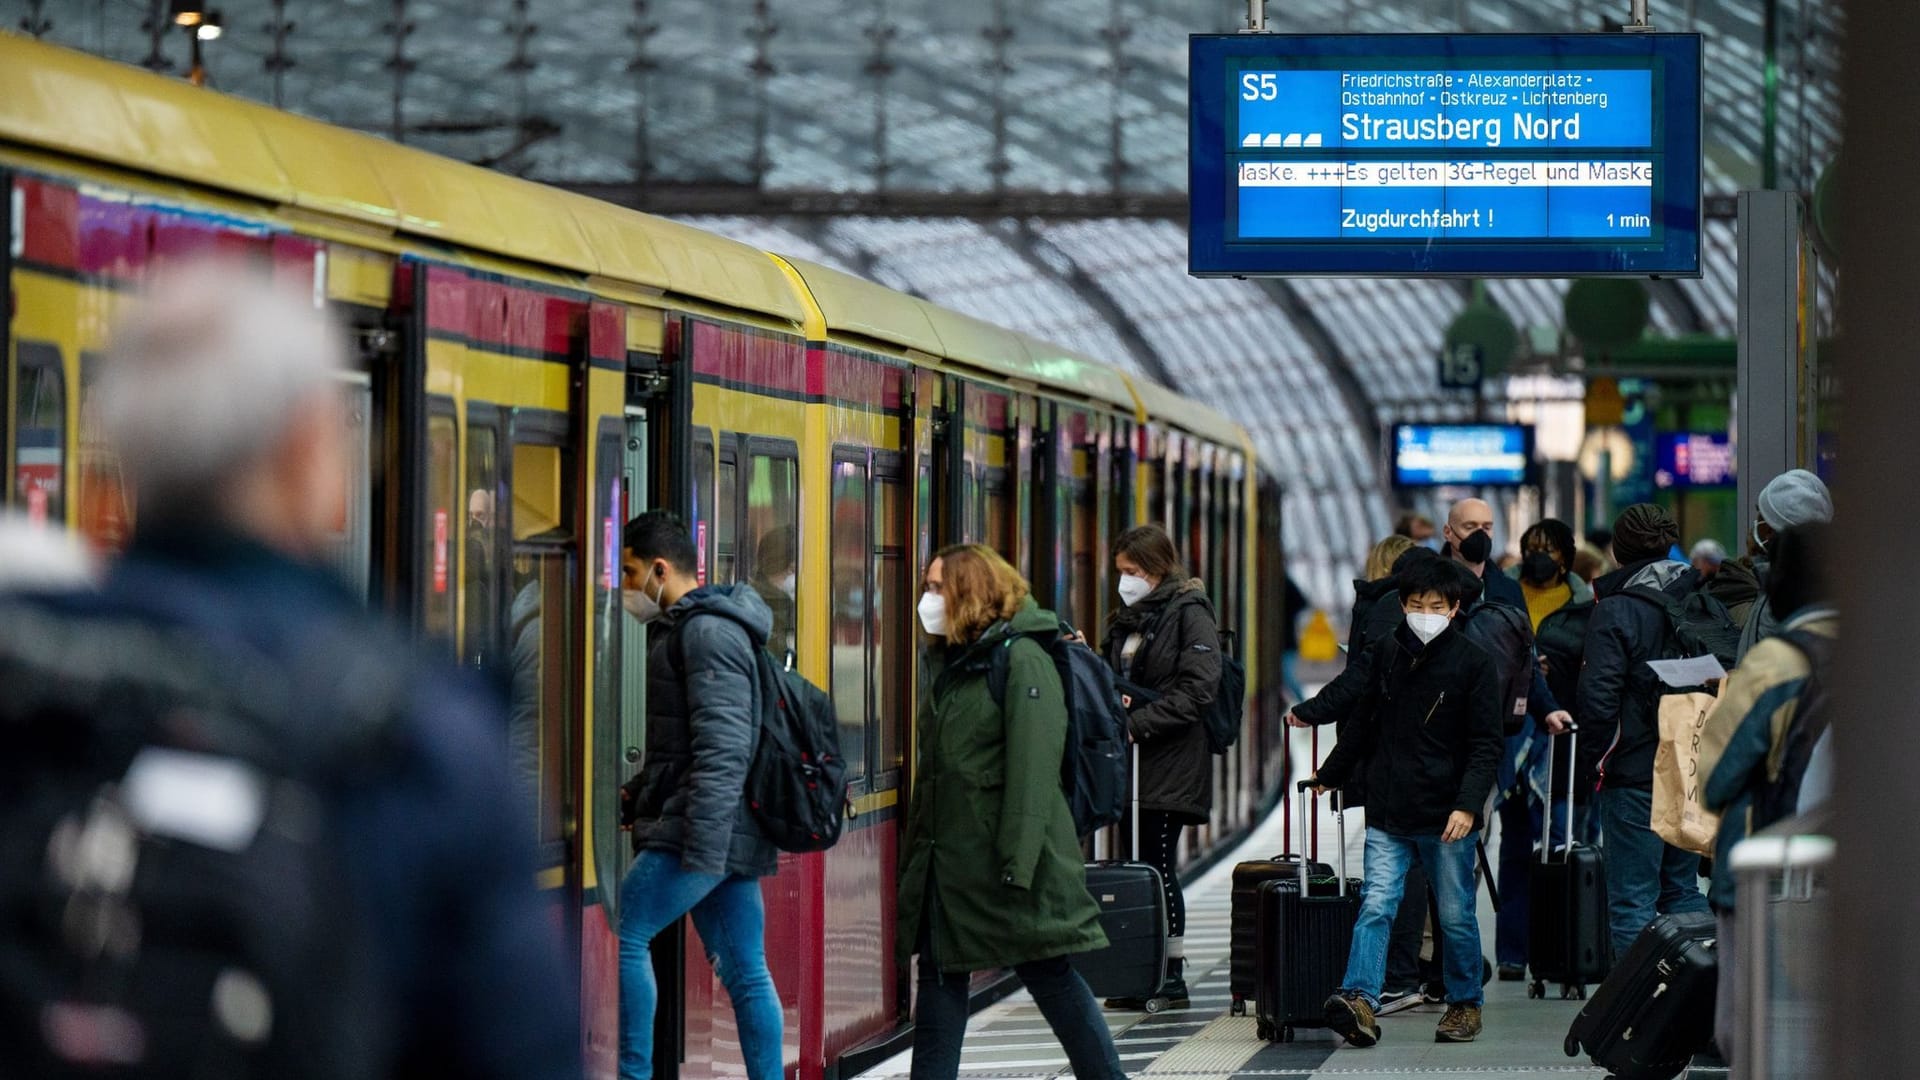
[{"x": 1522, "y": 1037}]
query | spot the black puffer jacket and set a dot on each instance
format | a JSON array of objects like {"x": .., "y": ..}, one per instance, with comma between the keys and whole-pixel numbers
[
  {"x": 1177, "y": 668},
  {"x": 1426, "y": 732},
  {"x": 1619, "y": 700},
  {"x": 1376, "y": 614},
  {"x": 702, "y": 723},
  {"x": 1562, "y": 642}
]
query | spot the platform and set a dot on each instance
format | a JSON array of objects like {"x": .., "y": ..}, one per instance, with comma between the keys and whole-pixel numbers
[{"x": 1522, "y": 1037}]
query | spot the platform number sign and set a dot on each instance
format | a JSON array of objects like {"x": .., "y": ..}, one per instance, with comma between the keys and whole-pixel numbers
[{"x": 1461, "y": 366}]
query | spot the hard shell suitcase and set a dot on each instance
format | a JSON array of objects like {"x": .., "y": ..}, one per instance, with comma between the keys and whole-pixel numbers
[
  {"x": 1303, "y": 932},
  {"x": 1784, "y": 927},
  {"x": 1655, "y": 1011},
  {"x": 1568, "y": 939},
  {"x": 1133, "y": 912},
  {"x": 1247, "y": 879}
]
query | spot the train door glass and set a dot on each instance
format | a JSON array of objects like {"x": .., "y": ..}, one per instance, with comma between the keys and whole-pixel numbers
[
  {"x": 1084, "y": 575},
  {"x": 441, "y": 526},
  {"x": 40, "y": 433},
  {"x": 889, "y": 619},
  {"x": 103, "y": 512},
  {"x": 608, "y": 766},
  {"x": 480, "y": 571},
  {"x": 351, "y": 546},
  {"x": 726, "y": 515},
  {"x": 634, "y": 467},
  {"x": 848, "y": 589},
  {"x": 538, "y": 729},
  {"x": 999, "y": 514},
  {"x": 701, "y": 500},
  {"x": 771, "y": 551}
]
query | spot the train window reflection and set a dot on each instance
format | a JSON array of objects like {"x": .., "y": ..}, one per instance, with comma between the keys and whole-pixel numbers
[
  {"x": 40, "y": 433},
  {"x": 441, "y": 531},
  {"x": 773, "y": 526},
  {"x": 849, "y": 592},
  {"x": 888, "y": 617}
]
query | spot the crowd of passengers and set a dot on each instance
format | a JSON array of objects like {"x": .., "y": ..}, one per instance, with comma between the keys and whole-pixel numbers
[{"x": 221, "y": 398}]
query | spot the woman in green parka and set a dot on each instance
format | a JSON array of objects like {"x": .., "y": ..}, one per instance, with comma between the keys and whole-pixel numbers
[{"x": 992, "y": 876}]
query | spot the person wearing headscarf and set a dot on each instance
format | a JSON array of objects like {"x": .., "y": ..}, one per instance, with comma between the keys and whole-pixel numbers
[{"x": 1618, "y": 706}]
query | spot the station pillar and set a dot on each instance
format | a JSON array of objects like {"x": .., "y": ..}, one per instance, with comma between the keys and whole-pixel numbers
[{"x": 1777, "y": 284}]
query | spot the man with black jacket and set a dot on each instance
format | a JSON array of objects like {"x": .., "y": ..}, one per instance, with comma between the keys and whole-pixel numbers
[
  {"x": 1619, "y": 710},
  {"x": 1427, "y": 733}
]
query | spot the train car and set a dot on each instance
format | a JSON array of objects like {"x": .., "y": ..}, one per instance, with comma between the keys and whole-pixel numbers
[{"x": 534, "y": 367}]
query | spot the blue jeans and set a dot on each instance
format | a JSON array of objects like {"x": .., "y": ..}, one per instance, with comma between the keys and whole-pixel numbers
[
  {"x": 731, "y": 918},
  {"x": 1450, "y": 868},
  {"x": 1646, "y": 876}
]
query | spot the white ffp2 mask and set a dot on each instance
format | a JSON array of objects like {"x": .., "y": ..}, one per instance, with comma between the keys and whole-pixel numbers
[
  {"x": 933, "y": 613},
  {"x": 1133, "y": 589},
  {"x": 1426, "y": 626}
]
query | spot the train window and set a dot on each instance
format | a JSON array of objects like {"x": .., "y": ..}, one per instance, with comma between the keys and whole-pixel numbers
[
  {"x": 538, "y": 702},
  {"x": 40, "y": 433},
  {"x": 103, "y": 513},
  {"x": 849, "y": 596},
  {"x": 537, "y": 480},
  {"x": 924, "y": 512},
  {"x": 701, "y": 501},
  {"x": 608, "y": 759},
  {"x": 481, "y": 565},
  {"x": 889, "y": 618},
  {"x": 726, "y": 515},
  {"x": 772, "y": 552},
  {"x": 442, "y": 526},
  {"x": 999, "y": 514}
]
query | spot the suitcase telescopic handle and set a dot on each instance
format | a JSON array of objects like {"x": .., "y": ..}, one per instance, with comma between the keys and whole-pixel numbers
[
  {"x": 1340, "y": 822},
  {"x": 1573, "y": 772}
]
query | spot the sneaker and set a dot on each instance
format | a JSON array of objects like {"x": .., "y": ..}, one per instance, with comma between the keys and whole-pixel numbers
[
  {"x": 1174, "y": 993},
  {"x": 1351, "y": 1018},
  {"x": 1393, "y": 1001},
  {"x": 1513, "y": 972},
  {"x": 1461, "y": 1024}
]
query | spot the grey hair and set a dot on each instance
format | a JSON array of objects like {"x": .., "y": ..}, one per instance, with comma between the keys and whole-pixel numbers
[{"x": 203, "y": 375}]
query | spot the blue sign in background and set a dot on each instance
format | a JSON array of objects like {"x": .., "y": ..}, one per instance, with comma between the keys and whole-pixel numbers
[
  {"x": 1627, "y": 102},
  {"x": 1426, "y": 455}
]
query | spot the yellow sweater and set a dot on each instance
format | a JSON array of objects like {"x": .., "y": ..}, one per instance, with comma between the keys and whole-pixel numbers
[{"x": 1544, "y": 602}]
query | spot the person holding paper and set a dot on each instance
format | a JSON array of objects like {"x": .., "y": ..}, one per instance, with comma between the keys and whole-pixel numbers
[{"x": 1618, "y": 707}]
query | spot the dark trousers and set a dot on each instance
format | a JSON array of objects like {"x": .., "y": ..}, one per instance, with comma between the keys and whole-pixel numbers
[
  {"x": 1160, "y": 849},
  {"x": 1519, "y": 832},
  {"x": 940, "y": 1020},
  {"x": 1409, "y": 932}
]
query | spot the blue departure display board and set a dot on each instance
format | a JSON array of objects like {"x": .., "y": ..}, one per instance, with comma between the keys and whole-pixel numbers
[
  {"x": 1445, "y": 154},
  {"x": 1693, "y": 459},
  {"x": 1427, "y": 455}
]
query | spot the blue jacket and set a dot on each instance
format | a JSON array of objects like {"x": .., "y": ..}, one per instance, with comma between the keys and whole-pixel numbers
[
  {"x": 437, "y": 845},
  {"x": 703, "y": 720}
]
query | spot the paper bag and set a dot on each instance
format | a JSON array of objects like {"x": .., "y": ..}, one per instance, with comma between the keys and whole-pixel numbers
[{"x": 1678, "y": 816}]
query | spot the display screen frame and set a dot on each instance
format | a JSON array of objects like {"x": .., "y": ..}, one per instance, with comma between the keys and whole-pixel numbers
[
  {"x": 1664, "y": 444},
  {"x": 1527, "y": 474},
  {"x": 1216, "y": 250}
]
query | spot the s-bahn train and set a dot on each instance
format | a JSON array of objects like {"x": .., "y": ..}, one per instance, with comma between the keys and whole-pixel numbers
[{"x": 534, "y": 367}]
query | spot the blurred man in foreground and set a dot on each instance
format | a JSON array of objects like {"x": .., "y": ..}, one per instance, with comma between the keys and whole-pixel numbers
[{"x": 289, "y": 841}]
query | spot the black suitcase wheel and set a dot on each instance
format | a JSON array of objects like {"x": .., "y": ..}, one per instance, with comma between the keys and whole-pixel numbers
[
  {"x": 1536, "y": 989},
  {"x": 1571, "y": 1046},
  {"x": 1287, "y": 1032},
  {"x": 1155, "y": 1004},
  {"x": 1573, "y": 992},
  {"x": 1238, "y": 1008},
  {"x": 1264, "y": 1029}
]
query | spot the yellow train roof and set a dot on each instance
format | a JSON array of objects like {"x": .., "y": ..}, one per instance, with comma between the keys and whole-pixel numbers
[{"x": 65, "y": 101}]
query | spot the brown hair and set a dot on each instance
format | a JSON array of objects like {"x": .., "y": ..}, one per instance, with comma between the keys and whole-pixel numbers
[
  {"x": 1380, "y": 559},
  {"x": 1152, "y": 550},
  {"x": 981, "y": 589}
]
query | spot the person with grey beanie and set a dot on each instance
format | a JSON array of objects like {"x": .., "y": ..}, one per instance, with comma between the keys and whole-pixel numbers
[{"x": 1795, "y": 497}]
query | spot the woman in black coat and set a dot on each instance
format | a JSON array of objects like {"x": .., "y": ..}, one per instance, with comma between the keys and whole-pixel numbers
[{"x": 1165, "y": 647}]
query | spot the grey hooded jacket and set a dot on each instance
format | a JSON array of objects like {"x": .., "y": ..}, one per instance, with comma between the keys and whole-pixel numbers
[{"x": 703, "y": 721}]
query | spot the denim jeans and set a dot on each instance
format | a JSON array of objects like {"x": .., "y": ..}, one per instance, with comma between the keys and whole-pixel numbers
[
  {"x": 1646, "y": 876},
  {"x": 731, "y": 918},
  {"x": 940, "y": 1019},
  {"x": 1450, "y": 868}
]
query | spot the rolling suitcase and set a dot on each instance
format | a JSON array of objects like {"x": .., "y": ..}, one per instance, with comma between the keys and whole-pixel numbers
[
  {"x": 1783, "y": 927},
  {"x": 1655, "y": 1010},
  {"x": 1303, "y": 931},
  {"x": 1133, "y": 912},
  {"x": 1247, "y": 879},
  {"x": 1568, "y": 938}
]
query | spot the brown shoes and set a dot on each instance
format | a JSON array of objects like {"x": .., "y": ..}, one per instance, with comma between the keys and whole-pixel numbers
[
  {"x": 1351, "y": 1018},
  {"x": 1461, "y": 1024}
]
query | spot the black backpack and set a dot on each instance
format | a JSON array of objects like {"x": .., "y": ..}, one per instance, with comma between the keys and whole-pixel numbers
[
  {"x": 1505, "y": 633},
  {"x": 1697, "y": 624},
  {"x": 173, "y": 899},
  {"x": 1229, "y": 699},
  {"x": 1779, "y": 796},
  {"x": 1093, "y": 769},
  {"x": 796, "y": 784}
]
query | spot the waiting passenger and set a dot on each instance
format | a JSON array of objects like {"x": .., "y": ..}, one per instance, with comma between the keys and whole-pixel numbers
[
  {"x": 1795, "y": 497},
  {"x": 407, "y": 937},
  {"x": 1428, "y": 737},
  {"x": 774, "y": 578},
  {"x": 1165, "y": 647},
  {"x": 991, "y": 875},
  {"x": 1619, "y": 702},
  {"x": 700, "y": 850},
  {"x": 1469, "y": 536},
  {"x": 1756, "y": 747},
  {"x": 1558, "y": 605},
  {"x": 1707, "y": 556}
]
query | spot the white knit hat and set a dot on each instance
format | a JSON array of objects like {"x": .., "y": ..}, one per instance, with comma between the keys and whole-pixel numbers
[{"x": 1796, "y": 497}]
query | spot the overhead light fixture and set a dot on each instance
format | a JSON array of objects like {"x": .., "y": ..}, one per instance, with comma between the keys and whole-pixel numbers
[
  {"x": 188, "y": 12},
  {"x": 209, "y": 27}
]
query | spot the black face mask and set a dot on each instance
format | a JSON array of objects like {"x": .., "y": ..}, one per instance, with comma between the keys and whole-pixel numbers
[
  {"x": 1539, "y": 568},
  {"x": 1476, "y": 547}
]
